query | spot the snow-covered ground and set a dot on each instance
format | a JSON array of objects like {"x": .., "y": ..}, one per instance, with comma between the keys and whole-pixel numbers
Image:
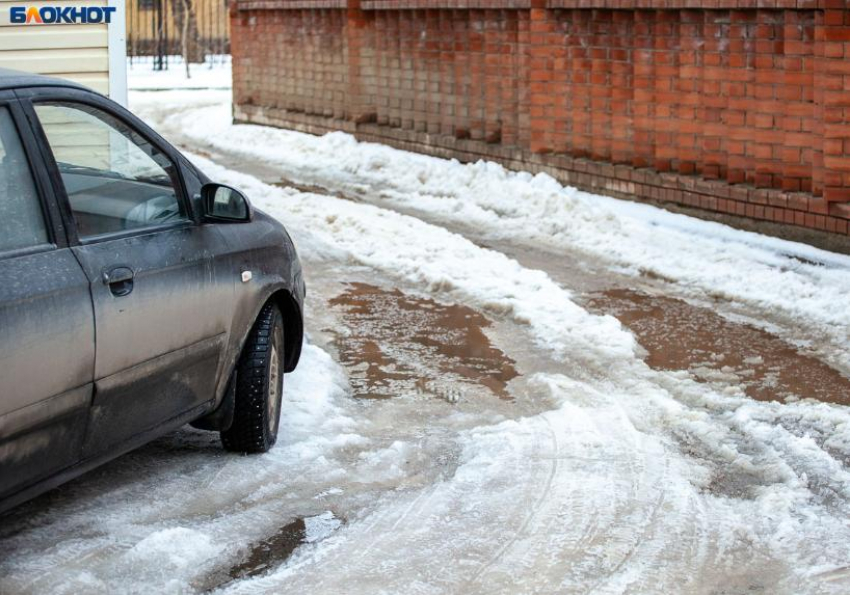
[
  {"x": 605, "y": 475},
  {"x": 215, "y": 73}
]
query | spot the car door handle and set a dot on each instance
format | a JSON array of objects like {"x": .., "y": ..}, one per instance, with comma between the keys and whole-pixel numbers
[{"x": 120, "y": 280}]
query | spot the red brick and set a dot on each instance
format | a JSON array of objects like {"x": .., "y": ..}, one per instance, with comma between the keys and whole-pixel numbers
[{"x": 722, "y": 91}]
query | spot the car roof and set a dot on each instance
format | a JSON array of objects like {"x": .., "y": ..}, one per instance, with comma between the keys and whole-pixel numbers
[{"x": 12, "y": 79}]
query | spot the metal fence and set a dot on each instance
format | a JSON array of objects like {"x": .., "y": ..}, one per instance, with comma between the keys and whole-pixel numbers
[{"x": 159, "y": 29}]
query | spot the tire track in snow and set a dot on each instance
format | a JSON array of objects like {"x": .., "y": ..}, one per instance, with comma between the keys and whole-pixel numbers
[{"x": 535, "y": 510}]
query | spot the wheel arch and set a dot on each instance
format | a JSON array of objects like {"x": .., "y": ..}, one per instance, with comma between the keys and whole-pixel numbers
[
  {"x": 293, "y": 336},
  {"x": 293, "y": 327}
]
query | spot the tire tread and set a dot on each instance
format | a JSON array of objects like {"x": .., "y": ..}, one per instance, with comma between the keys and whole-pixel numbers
[{"x": 249, "y": 432}]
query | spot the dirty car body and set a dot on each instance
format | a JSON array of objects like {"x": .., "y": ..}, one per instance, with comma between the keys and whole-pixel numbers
[{"x": 129, "y": 285}]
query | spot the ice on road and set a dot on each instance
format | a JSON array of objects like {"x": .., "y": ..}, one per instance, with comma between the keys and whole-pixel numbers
[{"x": 603, "y": 475}]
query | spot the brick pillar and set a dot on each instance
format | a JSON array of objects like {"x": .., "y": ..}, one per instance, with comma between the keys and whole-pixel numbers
[
  {"x": 238, "y": 21},
  {"x": 433, "y": 99},
  {"x": 493, "y": 83},
  {"x": 818, "y": 111},
  {"x": 418, "y": 48},
  {"x": 796, "y": 92},
  {"x": 509, "y": 60},
  {"x": 359, "y": 104},
  {"x": 600, "y": 84},
  {"x": 446, "y": 77},
  {"x": 523, "y": 44},
  {"x": 621, "y": 58},
  {"x": 392, "y": 68},
  {"x": 540, "y": 72},
  {"x": 644, "y": 90},
  {"x": 581, "y": 41},
  {"x": 715, "y": 80},
  {"x": 739, "y": 145},
  {"x": 834, "y": 72},
  {"x": 477, "y": 79},
  {"x": 763, "y": 100},
  {"x": 688, "y": 92},
  {"x": 665, "y": 31},
  {"x": 560, "y": 87}
]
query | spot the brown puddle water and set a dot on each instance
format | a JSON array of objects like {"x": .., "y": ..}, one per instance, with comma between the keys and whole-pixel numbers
[
  {"x": 397, "y": 344},
  {"x": 270, "y": 552},
  {"x": 679, "y": 336},
  {"x": 276, "y": 549}
]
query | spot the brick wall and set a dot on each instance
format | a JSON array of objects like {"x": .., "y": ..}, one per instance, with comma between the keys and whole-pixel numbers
[{"x": 735, "y": 106}]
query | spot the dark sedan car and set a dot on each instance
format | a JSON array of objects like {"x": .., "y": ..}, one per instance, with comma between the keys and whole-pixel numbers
[{"x": 135, "y": 295}]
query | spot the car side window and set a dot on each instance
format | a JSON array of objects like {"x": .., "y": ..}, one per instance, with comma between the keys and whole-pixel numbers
[
  {"x": 115, "y": 179},
  {"x": 21, "y": 219}
]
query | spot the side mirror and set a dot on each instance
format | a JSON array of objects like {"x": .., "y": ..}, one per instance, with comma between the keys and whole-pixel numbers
[{"x": 225, "y": 204}]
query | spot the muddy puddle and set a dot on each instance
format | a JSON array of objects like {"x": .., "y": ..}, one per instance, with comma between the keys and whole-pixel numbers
[
  {"x": 271, "y": 552},
  {"x": 679, "y": 336},
  {"x": 395, "y": 344},
  {"x": 276, "y": 549}
]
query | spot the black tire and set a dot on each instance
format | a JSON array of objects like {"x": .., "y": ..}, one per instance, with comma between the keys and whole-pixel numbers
[{"x": 256, "y": 416}]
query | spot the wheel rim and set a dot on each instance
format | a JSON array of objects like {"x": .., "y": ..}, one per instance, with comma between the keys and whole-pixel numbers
[{"x": 275, "y": 382}]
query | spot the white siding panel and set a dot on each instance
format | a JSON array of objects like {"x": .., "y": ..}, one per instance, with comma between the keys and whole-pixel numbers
[
  {"x": 51, "y": 38},
  {"x": 84, "y": 60},
  {"x": 98, "y": 81}
]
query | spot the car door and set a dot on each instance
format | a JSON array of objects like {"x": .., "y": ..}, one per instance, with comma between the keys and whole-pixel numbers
[
  {"x": 161, "y": 311},
  {"x": 46, "y": 319}
]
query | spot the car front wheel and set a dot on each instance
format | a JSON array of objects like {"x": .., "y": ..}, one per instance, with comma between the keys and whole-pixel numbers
[{"x": 259, "y": 387}]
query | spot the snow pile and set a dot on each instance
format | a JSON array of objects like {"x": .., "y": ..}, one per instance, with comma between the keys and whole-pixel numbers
[
  {"x": 797, "y": 282},
  {"x": 170, "y": 553}
]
